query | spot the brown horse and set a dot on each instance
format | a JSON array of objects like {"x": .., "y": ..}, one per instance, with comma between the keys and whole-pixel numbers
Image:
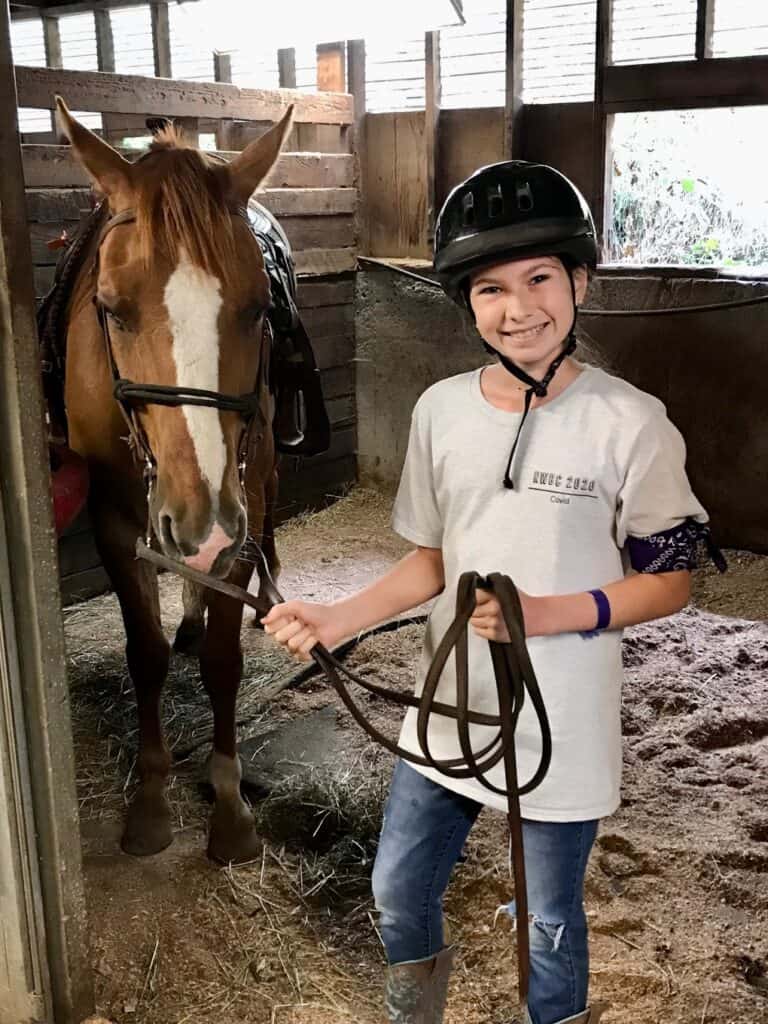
[{"x": 169, "y": 314}]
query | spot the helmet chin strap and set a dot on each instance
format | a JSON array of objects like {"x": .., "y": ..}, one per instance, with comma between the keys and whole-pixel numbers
[{"x": 535, "y": 387}]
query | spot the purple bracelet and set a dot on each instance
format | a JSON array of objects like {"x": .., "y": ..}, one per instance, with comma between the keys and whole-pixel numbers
[{"x": 603, "y": 614}]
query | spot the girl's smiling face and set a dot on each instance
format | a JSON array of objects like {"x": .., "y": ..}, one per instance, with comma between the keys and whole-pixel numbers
[{"x": 524, "y": 308}]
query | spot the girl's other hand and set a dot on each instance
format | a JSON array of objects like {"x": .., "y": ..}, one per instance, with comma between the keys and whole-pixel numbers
[{"x": 488, "y": 620}]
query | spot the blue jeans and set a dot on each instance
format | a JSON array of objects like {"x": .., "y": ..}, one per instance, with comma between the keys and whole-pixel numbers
[{"x": 424, "y": 831}]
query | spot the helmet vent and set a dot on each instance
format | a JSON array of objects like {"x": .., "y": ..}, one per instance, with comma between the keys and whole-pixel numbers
[
  {"x": 524, "y": 197},
  {"x": 495, "y": 202},
  {"x": 468, "y": 210}
]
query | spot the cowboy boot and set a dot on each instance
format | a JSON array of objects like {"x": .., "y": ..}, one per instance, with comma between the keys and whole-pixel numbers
[{"x": 415, "y": 993}]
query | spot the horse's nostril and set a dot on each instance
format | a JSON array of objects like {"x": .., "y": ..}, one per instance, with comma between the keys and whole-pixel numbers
[
  {"x": 166, "y": 531},
  {"x": 184, "y": 547}
]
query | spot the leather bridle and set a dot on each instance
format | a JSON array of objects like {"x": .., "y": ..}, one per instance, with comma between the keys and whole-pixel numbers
[{"x": 131, "y": 396}]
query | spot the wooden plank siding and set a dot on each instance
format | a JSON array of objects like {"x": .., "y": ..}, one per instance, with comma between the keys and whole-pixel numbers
[
  {"x": 396, "y": 172},
  {"x": 135, "y": 94},
  {"x": 54, "y": 167}
]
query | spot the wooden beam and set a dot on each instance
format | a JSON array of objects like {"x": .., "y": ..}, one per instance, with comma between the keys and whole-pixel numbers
[
  {"x": 601, "y": 201},
  {"x": 161, "y": 38},
  {"x": 286, "y": 68},
  {"x": 320, "y": 262},
  {"x": 432, "y": 103},
  {"x": 356, "y": 86},
  {"x": 105, "y": 43},
  {"x": 705, "y": 14},
  {"x": 45, "y": 971},
  {"x": 135, "y": 94},
  {"x": 711, "y": 82},
  {"x": 222, "y": 66},
  {"x": 513, "y": 102},
  {"x": 331, "y": 73},
  {"x": 27, "y": 12},
  {"x": 56, "y": 205},
  {"x": 52, "y": 39},
  {"x": 55, "y": 167}
]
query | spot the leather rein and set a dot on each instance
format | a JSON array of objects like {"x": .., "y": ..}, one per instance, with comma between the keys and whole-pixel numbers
[{"x": 514, "y": 676}]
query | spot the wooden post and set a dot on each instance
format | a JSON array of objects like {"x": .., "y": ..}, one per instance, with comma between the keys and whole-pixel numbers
[
  {"x": 331, "y": 74},
  {"x": 356, "y": 135},
  {"x": 45, "y": 963},
  {"x": 432, "y": 99},
  {"x": 222, "y": 72},
  {"x": 105, "y": 43},
  {"x": 513, "y": 102},
  {"x": 53, "y": 58},
  {"x": 286, "y": 68},
  {"x": 52, "y": 38},
  {"x": 222, "y": 66},
  {"x": 705, "y": 15},
  {"x": 601, "y": 177},
  {"x": 111, "y": 124},
  {"x": 189, "y": 127},
  {"x": 161, "y": 38}
]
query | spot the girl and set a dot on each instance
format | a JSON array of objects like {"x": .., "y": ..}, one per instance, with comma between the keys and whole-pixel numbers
[{"x": 564, "y": 478}]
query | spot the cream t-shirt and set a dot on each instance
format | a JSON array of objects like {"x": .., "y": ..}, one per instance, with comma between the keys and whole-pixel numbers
[{"x": 598, "y": 463}]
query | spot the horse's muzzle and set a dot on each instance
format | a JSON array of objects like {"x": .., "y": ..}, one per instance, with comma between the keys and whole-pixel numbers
[{"x": 212, "y": 553}]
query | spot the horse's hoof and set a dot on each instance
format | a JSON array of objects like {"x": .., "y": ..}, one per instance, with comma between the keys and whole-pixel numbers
[
  {"x": 233, "y": 838},
  {"x": 147, "y": 828},
  {"x": 189, "y": 638}
]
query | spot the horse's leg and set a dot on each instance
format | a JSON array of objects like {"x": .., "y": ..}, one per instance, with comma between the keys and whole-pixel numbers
[
  {"x": 148, "y": 821},
  {"x": 232, "y": 832},
  {"x": 191, "y": 632}
]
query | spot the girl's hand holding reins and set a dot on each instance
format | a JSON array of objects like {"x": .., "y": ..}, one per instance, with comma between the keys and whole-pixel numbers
[
  {"x": 299, "y": 625},
  {"x": 488, "y": 620}
]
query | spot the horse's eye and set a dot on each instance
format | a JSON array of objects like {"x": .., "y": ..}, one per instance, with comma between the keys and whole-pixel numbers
[{"x": 115, "y": 320}]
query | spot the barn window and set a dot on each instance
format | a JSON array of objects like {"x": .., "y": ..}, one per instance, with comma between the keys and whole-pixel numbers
[
  {"x": 740, "y": 28},
  {"x": 677, "y": 199},
  {"x": 472, "y": 57},
  {"x": 78, "y": 42},
  {"x": 29, "y": 49},
  {"x": 661, "y": 30},
  {"x": 132, "y": 32},
  {"x": 394, "y": 75},
  {"x": 558, "y": 51}
]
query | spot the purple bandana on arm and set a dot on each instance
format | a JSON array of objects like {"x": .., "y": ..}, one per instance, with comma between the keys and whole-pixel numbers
[{"x": 674, "y": 549}]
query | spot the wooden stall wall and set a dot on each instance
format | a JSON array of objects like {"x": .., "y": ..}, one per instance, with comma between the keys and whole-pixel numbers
[
  {"x": 395, "y": 171},
  {"x": 314, "y": 194}
]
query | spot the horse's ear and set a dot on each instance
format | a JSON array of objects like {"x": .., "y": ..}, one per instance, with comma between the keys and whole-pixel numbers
[
  {"x": 249, "y": 168},
  {"x": 108, "y": 170}
]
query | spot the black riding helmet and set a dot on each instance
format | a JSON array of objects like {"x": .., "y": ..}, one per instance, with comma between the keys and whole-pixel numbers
[{"x": 509, "y": 211}]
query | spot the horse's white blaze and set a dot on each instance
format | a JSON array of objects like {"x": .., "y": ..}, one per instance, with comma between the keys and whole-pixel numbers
[{"x": 193, "y": 300}]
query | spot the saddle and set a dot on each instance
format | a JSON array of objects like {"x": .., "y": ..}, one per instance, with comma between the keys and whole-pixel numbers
[{"x": 301, "y": 426}]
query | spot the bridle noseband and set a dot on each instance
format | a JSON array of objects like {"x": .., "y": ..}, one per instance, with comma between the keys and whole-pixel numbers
[{"x": 130, "y": 396}]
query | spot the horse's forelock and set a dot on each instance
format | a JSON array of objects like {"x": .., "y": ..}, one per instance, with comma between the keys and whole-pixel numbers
[{"x": 182, "y": 205}]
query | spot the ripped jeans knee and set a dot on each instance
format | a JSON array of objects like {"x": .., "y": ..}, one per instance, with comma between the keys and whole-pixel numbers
[
  {"x": 559, "y": 964},
  {"x": 546, "y": 935}
]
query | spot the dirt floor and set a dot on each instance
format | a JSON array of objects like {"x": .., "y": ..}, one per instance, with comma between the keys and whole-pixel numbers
[{"x": 677, "y": 891}]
